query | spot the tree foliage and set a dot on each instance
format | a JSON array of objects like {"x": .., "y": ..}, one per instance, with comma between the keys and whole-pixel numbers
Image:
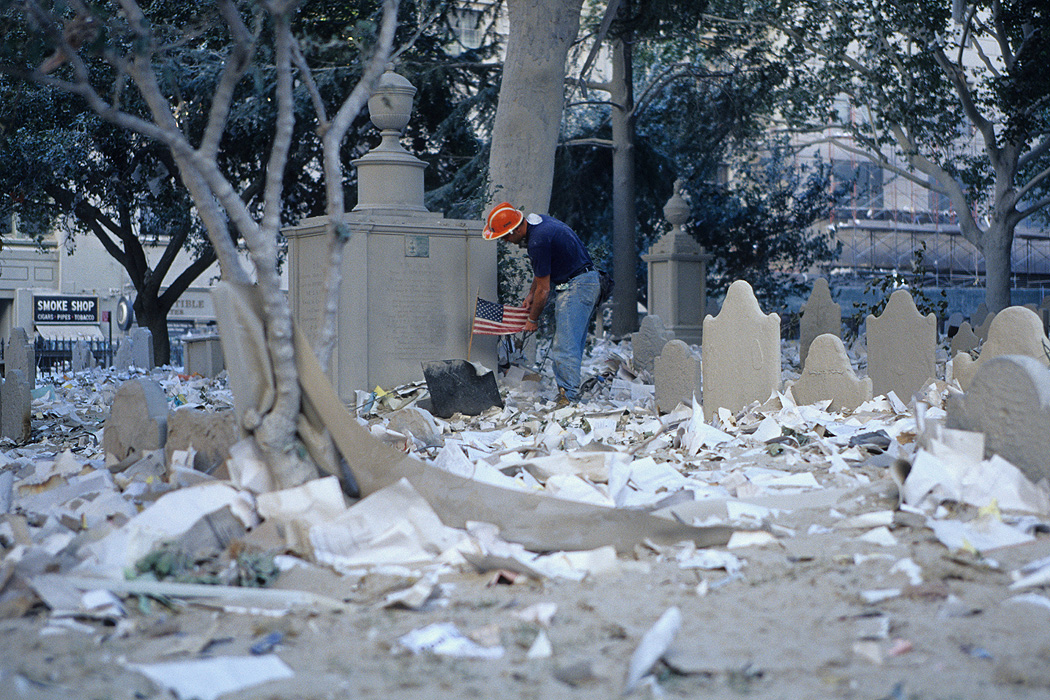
[
  {"x": 705, "y": 96},
  {"x": 63, "y": 161},
  {"x": 759, "y": 226},
  {"x": 955, "y": 102}
]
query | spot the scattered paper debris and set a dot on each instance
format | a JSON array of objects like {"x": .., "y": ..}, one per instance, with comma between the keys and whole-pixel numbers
[{"x": 208, "y": 679}]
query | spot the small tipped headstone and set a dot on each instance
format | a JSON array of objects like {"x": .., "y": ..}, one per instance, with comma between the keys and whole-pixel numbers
[
  {"x": 142, "y": 348},
  {"x": 820, "y": 316},
  {"x": 953, "y": 325},
  {"x": 21, "y": 355},
  {"x": 82, "y": 358},
  {"x": 122, "y": 358},
  {"x": 138, "y": 419},
  {"x": 458, "y": 386},
  {"x": 741, "y": 353},
  {"x": 15, "y": 406},
  {"x": 965, "y": 340},
  {"x": 1009, "y": 401},
  {"x": 649, "y": 342},
  {"x": 676, "y": 374},
  {"x": 829, "y": 375},
  {"x": 902, "y": 347},
  {"x": 1016, "y": 330}
]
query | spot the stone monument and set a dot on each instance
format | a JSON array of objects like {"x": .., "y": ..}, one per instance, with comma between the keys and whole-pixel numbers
[
  {"x": 678, "y": 274},
  {"x": 410, "y": 277}
]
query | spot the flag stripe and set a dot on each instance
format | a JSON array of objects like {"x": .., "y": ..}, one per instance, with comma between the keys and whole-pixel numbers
[{"x": 493, "y": 319}]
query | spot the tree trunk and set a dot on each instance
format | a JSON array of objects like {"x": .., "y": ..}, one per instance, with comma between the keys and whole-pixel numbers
[
  {"x": 149, "y": 315},
  {"x": 625, "y": 217},
  {"x": 531, "y": 97},
  {"x": 996, "y": 246}
]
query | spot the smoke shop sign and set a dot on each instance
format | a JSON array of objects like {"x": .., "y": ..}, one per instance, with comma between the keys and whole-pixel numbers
[{"x": 65, "y": 309}]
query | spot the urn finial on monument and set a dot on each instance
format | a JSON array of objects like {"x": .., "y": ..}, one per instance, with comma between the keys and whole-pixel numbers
[
  {"x": 677, "y": 273},
  {"x": 389, "y": 178}
]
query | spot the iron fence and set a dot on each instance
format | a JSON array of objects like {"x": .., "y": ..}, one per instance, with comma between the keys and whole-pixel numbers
[{"x": 57, "y": 353}]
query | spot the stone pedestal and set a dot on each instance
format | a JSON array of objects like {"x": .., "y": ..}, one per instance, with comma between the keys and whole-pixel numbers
[
  {"x": 202, "y": 354},
  {"x": 678, "y": 275},
  {"x": 408, "y": 295},
  {"x": 411, "y": 278}
]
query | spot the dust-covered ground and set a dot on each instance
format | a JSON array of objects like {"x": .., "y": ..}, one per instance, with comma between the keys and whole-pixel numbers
[{"x": 833, "y": 589}]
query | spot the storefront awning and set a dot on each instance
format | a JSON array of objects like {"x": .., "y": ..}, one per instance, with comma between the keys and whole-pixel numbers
[{"x": 70, "y": 332}]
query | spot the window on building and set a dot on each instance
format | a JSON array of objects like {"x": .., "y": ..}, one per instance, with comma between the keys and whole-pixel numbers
[
  {"x": 467, "y": 23},
  {"x": 863, "y": 180}
]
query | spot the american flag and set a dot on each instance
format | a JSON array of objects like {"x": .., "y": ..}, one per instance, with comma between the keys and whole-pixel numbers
[{"x": 493, "y": 319}]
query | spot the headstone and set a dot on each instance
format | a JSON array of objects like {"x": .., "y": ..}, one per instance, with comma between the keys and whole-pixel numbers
[
  {"x": 1044, "y": 313},
  {"x": 820, "y": 315},
  {"x": 981, "y": 330},
  {"x": 829, "y": 375},
  {"x": 741, "y": 353},
  {"x": 210, "y": 434},
  {"x": 979, "y": 315},
  {"x": 15, "y": 406},
  {"x": 202, "y": 354},
  {"x": 458, "y": 386},
  {"x": 964, "y": 340},
  {"x": 138, "y": 419},
  {"x": 676, "y": 374},
  {"x": 901, "y": 348},
  {"x": 21, "y": 355},
  {"x": 649, "y": 342},
  {"x": 953, "y": 325},
  {"x": 82, "y": 358},
  {"x": 142, "y": 348},
  {"x": 123, "y": 358},
  {"x": 1009, "y": 401},
  {"x": 1016, "y": 330}
]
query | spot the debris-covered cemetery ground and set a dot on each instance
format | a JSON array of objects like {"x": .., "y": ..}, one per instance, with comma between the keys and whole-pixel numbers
[{"x": 836, "y": 582}]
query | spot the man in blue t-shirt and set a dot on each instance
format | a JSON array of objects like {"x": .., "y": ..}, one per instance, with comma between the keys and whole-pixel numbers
[{"x": 559, "y": 262}]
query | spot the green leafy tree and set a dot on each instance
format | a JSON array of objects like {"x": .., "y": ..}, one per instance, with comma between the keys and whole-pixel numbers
[
  {"x": 948, "y": 94},
  {"x": 117, "y": 62},
  {"x": 64, "y": 161},
  {"x": 759, "y": 226},
  {"x": 61, "y": 162},
  {"x": 660, "y": 49}
]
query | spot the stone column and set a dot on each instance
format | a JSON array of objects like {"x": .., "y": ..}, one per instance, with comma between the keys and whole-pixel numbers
[{"x": 678, "y": 274}]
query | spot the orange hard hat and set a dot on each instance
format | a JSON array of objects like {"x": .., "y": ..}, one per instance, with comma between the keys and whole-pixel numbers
[{"x": 502, "y": 220}]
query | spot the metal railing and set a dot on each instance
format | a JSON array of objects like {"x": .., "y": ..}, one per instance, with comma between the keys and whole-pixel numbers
[{"x": 57, "y": 353}]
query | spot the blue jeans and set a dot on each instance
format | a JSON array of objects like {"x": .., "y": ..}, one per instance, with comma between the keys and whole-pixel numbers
[{"x": 573, "y": 302}]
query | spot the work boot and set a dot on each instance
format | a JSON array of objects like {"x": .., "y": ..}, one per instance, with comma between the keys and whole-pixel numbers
[{"x": 562, "y": 401}]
